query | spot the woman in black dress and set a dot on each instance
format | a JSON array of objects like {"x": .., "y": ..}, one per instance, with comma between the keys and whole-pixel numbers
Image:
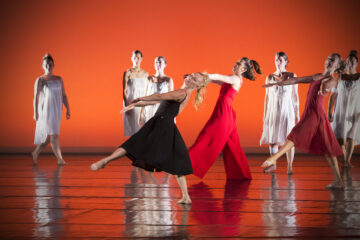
[{"x": 158, "y": 145}]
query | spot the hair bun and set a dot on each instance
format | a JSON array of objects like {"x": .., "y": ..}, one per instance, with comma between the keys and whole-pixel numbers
[{"x": 353, "y": 53}]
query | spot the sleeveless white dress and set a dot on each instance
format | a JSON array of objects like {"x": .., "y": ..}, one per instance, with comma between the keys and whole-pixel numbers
[
  {"x": 135, "y": 89},
  {"x": 49, "y": 110},
  {"x": 347, "y": 111},
  {"x": 149, "y": 111},
  {"x": 280, "y": 116}
]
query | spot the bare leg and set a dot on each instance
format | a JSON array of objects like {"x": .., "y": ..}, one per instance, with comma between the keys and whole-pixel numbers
[
  {"x": 290, "y": 158},
  {"x": 273, "y": 149},
  {"x": 272, "y": 159},
  {"x": 185, "y": 199},
  {"x": 338, "y": 183},
  {"x": 343, "y": 148},
  {"x": 55, "y": 145},
  {"x": 118, "y": 153},
  {"x": 38, "y": 149},
  {"x": 349, "y": 152}
]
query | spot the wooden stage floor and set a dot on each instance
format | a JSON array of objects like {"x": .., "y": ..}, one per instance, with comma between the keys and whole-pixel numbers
[{"x": 72, "y": 202}]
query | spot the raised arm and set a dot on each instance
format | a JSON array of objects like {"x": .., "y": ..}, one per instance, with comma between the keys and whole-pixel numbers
[
  {"x": 218, "y": 78},
  {"x": 65, "y": 99},
  {"x": 37, "y": 88}
]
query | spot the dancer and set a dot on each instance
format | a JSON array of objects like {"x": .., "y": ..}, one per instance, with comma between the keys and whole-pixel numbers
[
  {"x": 134, "y": 85},
  {"x": 158, "y": 83},
  {"x": 281, "y": 110},
  {"x": 49, "y": 97},
  {"x": 158, "y": 145},
  {"x": 220, "y": 132},
  {"x": 313, "y": 132},
  {"x": 345, "y": 121}
]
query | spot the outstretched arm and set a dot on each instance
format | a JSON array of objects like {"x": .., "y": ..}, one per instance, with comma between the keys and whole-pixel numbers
[
  {"x": 138, "y": 104},
  {"x": 220, "y": 79},
  {"x": 65, "y": 100},
  {"x": 176, "y": 95}
]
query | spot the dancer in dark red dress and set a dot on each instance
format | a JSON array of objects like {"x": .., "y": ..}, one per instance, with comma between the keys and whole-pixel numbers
[
  {"x": 313, "y": 132},
  {"x": 220, "y": 132}
]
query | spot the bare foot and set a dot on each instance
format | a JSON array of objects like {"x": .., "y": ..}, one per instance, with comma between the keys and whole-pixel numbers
[
  {"x": 290, "y": 171},
  {"x": 268, "y": 164},
  {"x": 184, "y": 200},
  {"x": 61, "y": 163},
  {"x": 335, "y": 185},
  {"x": 97, "y": 165},
  {"x": 34, "y": 158},
  {"x": 270, "y": 169}
]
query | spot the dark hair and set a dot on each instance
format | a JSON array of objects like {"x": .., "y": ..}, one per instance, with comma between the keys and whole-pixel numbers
[
  {"x": 342, "y": 63},
  {"x": 284, "y": 55},
  {"x": 137, "y": 52},
  {"x": 163, "y": 58},
  {"x": 251, "y": 66},
  {"x": 354, "y": 54},
  {"x": 48, "y": 57}
]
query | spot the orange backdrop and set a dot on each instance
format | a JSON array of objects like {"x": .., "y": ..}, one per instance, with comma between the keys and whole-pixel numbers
[{"x": 91, "y": 42}]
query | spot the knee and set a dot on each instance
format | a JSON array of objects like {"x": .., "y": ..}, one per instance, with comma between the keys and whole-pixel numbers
[{"x": 54, "y": 138}]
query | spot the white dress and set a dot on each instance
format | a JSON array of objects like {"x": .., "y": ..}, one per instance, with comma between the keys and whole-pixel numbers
[
  {"x": 347, "y": 111},
  {"x": 49, "y": 110},
  {"x": 280, "y": 117},
  {"x": 135, "y": 89},
  {"x": 155, "y": 87}
]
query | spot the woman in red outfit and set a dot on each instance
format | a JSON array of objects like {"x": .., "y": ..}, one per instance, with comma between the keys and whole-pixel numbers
[
  {"x": 313, "y": 132},
  {"x": 220, "y": 132}
]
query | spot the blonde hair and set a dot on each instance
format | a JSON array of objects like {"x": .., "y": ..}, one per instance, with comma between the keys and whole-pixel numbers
[{"x": 200, "y": 93}]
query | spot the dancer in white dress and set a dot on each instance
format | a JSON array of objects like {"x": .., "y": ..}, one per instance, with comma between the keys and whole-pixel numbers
[
  {"x": 281, "y": 110},
  {"x": 345, "y": 121},
  {"x": 135, "y": 83},
  {"x": 158, "y": 83},
  {"x": 49, "y": 97}
]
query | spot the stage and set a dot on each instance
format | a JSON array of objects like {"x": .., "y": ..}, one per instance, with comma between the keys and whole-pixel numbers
[{"x": 121, "y": 201}]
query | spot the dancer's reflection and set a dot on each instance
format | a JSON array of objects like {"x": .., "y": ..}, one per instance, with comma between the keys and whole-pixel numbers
[
  {"x": 148, "y": 209},
  {"x": 279, "y": 213},
  {"x": 344, "y": 207},
  {"x": 209, "y": 211},
  {"x": 47, "y": 209}
]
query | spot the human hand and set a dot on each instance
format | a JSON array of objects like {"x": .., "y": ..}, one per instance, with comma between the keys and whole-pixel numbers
[
  {"x": 127, "y": 108},
  {"x": 67, "y": 115}
]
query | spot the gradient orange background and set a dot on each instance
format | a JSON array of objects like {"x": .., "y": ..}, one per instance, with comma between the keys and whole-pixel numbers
[{"x": 92, "y": 41}]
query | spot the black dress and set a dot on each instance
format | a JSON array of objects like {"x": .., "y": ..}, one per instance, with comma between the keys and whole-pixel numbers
[{"x": 158, "y": 145}]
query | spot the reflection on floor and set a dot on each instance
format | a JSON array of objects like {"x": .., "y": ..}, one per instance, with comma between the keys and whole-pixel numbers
[{"x": 122, "y": 201}]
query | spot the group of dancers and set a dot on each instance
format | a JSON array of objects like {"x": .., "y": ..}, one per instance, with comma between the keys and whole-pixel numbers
[{"x": 151, "y": 105}]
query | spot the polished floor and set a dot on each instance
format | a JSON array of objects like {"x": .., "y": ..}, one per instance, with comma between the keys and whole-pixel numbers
[{"x": 120, "y": 201}]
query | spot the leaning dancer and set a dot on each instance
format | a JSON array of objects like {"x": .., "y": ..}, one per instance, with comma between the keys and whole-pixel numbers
[
  {"x": 220, "y": 132},
  {"x": 313, "y": 132},
  {"x": 158, "y": 145}
]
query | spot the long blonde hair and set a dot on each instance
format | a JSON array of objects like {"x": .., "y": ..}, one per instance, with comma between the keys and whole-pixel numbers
[{"x": 200, "y": 93}]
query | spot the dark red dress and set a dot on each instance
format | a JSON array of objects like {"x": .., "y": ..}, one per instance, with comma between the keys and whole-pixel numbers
[
  {"x": 313, "y": 132},
  {"x": 220, "y": 135}
]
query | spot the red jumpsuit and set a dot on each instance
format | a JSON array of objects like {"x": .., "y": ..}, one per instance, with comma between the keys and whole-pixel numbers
[{"x": 220, "y": 135}]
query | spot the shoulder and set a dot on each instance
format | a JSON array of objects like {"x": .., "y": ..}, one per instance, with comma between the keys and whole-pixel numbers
[{"x": 144, "y": 72}]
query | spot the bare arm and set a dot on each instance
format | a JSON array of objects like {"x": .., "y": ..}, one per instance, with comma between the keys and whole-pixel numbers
[
  {"x": 218, "y": 78},
  {"x": 332, "y": 102},
  {"x": 295, "y": 98},
  {"x": 266, "y": 98},
  {"x": 171, "y": 85},
  {"x": 138, "y": 104},
  {"x": 176, "y": 95},
  {"x": 125, "y": 83},
  {"x": 37, "y": 88},
  {"x": 65, "y": 99}
]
